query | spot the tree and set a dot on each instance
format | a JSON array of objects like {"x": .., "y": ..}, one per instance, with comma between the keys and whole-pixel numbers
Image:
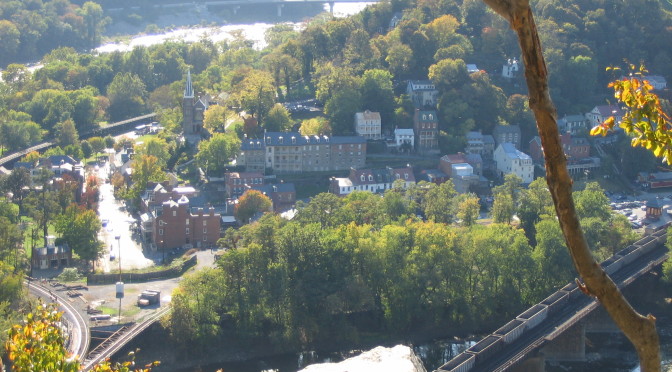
[
  {"x": 93, "y": 17},
  {"x": 315, "y": 126},
  {"x": 251, "y": 203},
  {"x": 216, "y": 118},
  {"x": 640, "y": 330},
  {"x": 468, "y": 208},
  {"x": 146, "y": 168},
  {"x": 10, "y": 36},
  {"x": 216, "y": 153},
  {"x": 127, "y": 94},
  {"x": 67, "y": 133},
  {"x": 38, "y": 344},
  {"x": 256, "y": 94},
  {"x": 156, "y": 147},
  {"x": 278, "y": 119},
  {"x": 438, "y": 203},
  {"x": 79, "y": 228}
]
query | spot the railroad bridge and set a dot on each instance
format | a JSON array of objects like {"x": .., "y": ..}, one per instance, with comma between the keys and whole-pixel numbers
[{"x": 555, "y": 328}]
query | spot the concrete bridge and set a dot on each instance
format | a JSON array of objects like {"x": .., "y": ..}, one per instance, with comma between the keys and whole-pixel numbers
[
  {"x": 555, "y": 328},
  {"x": 111, "y": 129}
]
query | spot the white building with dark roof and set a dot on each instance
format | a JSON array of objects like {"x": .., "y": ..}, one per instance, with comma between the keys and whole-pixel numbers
[
  {"x": 368, "y": 125},
  {"x": 423, "y": 93},
  {"x": 372, "y": 180},
  {"x": 511, "y": 160}
]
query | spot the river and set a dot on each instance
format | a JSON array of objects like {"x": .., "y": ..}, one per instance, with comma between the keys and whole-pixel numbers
[{"x": 215, "y": 33}]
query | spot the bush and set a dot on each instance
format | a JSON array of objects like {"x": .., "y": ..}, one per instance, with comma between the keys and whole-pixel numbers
[
  {"x": 190, "y": 252},
  {"x": 69, "y": 274}
]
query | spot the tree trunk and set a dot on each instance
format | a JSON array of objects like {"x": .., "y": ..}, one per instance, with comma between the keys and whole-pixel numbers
[{"x": 640, "y": 330}]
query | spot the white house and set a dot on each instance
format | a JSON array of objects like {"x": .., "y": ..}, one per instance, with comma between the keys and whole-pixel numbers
[
  {"x": 510, "y": 160},
  {"x": 601, "y": 113},
  {"x": 372, "y": 180},
  {"x": 404, "y": 135},
  {"x": 367, "y": 124},
  {"x": 423, "y": 93},
  {"x": 657, "y": 82},
  {"x": 510, "y": 69}
]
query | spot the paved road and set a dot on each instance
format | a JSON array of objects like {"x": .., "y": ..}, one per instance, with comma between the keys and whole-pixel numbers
[{"x": 128, "y": 248}]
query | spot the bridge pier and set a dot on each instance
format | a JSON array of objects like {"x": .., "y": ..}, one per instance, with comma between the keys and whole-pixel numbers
[
  {"x": 279, "y": 7},
  {"x": 331, "y": 7},
  {"x": 570, "y": 346}
]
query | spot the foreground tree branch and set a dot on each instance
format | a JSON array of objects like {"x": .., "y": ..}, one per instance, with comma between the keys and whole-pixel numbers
[{"x": 640, "y": 330}]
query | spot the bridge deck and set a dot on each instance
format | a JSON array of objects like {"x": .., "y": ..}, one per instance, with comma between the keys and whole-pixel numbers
[{"x": 555, "y": 324}]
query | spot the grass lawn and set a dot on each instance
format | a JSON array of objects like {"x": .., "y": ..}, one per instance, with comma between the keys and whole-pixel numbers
[
  {"x": 114, "y": 311},
  {"x": 27, "y": 238}
]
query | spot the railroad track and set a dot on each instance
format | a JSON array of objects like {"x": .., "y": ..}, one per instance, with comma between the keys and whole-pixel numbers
[{"x": 119, "y": 339}]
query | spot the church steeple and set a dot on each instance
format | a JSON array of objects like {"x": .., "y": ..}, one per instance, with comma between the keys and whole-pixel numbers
[{"x": 188, "y": 89}]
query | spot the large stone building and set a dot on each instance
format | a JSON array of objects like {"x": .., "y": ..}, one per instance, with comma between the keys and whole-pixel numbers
[{"x": 290, "y": 152}]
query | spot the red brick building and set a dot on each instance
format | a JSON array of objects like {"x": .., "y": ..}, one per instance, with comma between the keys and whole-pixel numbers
[
  {"x": 51, "y": 256},
  {"x": 236, "y": 183},
  {"x": 178, "y": 225}
]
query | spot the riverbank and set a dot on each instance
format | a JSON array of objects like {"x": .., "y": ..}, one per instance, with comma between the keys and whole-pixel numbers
[{"x": 605, "y": 352}]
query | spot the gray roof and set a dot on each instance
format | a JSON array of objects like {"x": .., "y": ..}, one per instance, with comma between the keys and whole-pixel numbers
[{"x": 512, "y": 152}]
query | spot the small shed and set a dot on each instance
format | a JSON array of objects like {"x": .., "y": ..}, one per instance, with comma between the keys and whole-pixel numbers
[{"x": 654, "y": 209}]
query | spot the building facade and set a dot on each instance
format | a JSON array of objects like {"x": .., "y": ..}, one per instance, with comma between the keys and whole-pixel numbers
[
  {"x": 507, "y": 133},
  {"x": 236, "y": 183},
  {"x": 290, "y": 152},
  {"x": 511, "y": 160},
  {"x": 423, "y": 93},
  {"x": 368, "y": 125},
  {"x": 404, "y": 136},
  {"x": 426, "y": 130},
  {"x": 193, "y": 110},
  {"x": 51, "y": 256},
  {"x": 372, "y": 180},
  {"x": 177, "y": 225}
]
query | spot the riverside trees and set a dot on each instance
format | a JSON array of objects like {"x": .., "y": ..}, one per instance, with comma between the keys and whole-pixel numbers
[{"x": 305, "y": 281}]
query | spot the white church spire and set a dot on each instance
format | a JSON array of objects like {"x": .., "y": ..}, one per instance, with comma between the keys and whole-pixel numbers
[{"x": 188, "y": 89}]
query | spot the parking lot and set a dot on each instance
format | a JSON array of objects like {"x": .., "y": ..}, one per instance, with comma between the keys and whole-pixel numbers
[{"x": 634, "y": 207}]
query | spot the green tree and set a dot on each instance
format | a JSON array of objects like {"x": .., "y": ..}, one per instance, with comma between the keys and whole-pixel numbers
[
  {"x": 315, "y": 126},
  {"x": 157, "y": 147},
  {"x": 146, "y": 168},
  {"x": 10, "y": 36},
  {"x": 251, "y": 203},
  {"x": 127, "y": 94},
  {"x": 67, "y": 133},
  {"x": 639, "y": 329},
  {"x": 256, "y": 94},
  {"x": 377, "y": 94},
  {"x": 217, "y": 117},
  {"x": 214, "y": 154},
  {"x": 468, "y": 208},
  {"x": 438, "y": 203},
  {"x": 278, "y": 119},
  {"x": 79, "y": 228},
  {"x": 37, "y": 344}
]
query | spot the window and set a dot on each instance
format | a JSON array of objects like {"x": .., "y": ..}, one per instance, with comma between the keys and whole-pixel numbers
[
  {"x": 174, "y": 213},
  {"x": 186, "y": 231},
  {"x": 205, "y": 238},
  {"x": 405, "y": 176},
  {"x": 205, "y": 230},
  {"x": 186, "y": 222},
  {"x": 370, "y": 177},
  {"x": 205, "y": 222},
  {"x": 362, "y": 177},
  {"x": 160, "y": 231},
  {"x": 160, "y": 222}
]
